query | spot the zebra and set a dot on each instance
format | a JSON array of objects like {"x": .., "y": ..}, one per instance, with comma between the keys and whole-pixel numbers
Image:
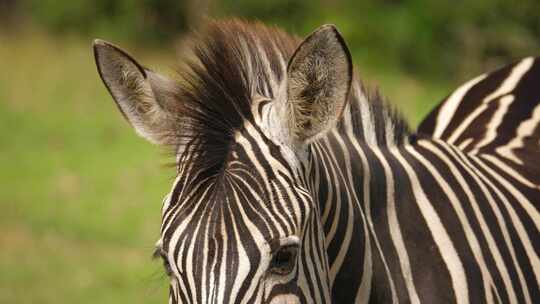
[{"x": 296, "y": 183}]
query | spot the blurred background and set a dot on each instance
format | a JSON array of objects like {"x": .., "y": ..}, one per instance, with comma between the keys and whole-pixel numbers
[{"x": 80, "y": 194}]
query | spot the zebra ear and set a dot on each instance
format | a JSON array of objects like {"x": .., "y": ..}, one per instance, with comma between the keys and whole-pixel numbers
[
  {"x": 144, "y": 97},
  {"x": 319, "y": 78}
]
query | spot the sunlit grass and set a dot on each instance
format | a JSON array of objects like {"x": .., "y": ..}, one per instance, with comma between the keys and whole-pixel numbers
[{"x": 80, "y": 194}]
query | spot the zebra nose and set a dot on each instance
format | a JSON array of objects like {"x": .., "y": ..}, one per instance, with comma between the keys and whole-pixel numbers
[{"x": 285, "y": 299}]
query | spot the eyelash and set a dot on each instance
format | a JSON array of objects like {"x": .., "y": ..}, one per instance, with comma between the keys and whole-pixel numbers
[{"x": 160, "y": 254}]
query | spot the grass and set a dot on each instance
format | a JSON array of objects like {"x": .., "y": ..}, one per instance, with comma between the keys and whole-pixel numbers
[{"x": 80, "y": 194}]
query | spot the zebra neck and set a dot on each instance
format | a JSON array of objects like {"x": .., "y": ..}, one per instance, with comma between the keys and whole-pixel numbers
[
  {"x": 350, "y": 181},
  {"x": 369, "y": 119}
]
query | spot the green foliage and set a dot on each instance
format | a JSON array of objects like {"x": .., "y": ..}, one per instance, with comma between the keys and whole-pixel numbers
[
  {"x": 442, "y": 39},
  {"x": 432, "y": 39},
  {"x": 136, "y": 20},
  {"x": 80, "y": 194}
]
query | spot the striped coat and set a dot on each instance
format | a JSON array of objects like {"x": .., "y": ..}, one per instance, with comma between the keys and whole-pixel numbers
[{"x": 296, "y": 184}]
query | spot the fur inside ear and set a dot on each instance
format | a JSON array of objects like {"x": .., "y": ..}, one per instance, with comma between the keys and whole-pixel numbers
[
  {"x": 319, "y": 79},
  {"x": 142, "y": 96}
]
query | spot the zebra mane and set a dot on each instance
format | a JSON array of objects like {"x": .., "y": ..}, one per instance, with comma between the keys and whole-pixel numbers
[
  {"x": 234, "y": 61},
  {"x": 372, "y": 119}
]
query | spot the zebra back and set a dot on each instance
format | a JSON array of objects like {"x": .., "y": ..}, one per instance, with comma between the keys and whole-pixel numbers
[{"x": 494, "y": 114}]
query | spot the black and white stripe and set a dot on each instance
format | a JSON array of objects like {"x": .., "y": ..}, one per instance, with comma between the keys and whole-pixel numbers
[{"x": 329, "y": 198}]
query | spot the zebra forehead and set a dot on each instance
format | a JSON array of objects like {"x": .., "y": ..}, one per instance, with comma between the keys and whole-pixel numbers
[
  {"x": 220, "y": 206},
  {"x": 265, "y": 134},
  {"x": 232, "y": 66},
  {"x": 228, "y": 86}
]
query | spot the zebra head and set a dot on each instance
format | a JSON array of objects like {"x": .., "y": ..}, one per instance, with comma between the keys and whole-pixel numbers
[{"x": 241, "y": 223}]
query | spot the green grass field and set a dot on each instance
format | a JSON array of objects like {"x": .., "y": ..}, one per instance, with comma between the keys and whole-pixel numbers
[{"x": 80, "y": 193}]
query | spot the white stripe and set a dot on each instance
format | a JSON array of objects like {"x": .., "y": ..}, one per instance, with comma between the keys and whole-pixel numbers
[
  {"x": 364, "y": 291},
  {"x": 388, "y": 129},
  {"x": 244, "y": 263},
  {"x": 465, "y": 143},
  {"x": 506, "y": 87},
  {"x": 336, "y": 202},
  {"x": 520, "y": 198},
  {"x": 366, "y": 174},
  {"x": 368, "y": 125},
  {"x": 439, "y": 234},
  {"x": 395, "y": 231},
  {"x": 516, "y": 221},
  {"x": 344, "y": 246},
  {"x": 510, "y": 171},
  {"x": 494, "y": 123},
  {"x": 242, "y": 141},
  {"x": 481, "y": 180},
  {"x": 469, "y": 233},
  {"x": 525, "y": 129},
  {"x": 330, "y": 189},
  {"x": 451, "y": 104}
]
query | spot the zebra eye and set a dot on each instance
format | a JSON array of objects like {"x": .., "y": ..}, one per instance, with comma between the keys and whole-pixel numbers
[{"x": 284, "y": 260}]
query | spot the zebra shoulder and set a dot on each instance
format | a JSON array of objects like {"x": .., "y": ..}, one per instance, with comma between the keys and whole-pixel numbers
[{"x": 496, "y": 114}]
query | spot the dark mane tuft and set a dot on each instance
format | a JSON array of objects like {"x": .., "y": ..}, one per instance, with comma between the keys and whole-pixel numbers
[
  {"x": 217, "y": 83},
  {"x": 230, "y": 63}
]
